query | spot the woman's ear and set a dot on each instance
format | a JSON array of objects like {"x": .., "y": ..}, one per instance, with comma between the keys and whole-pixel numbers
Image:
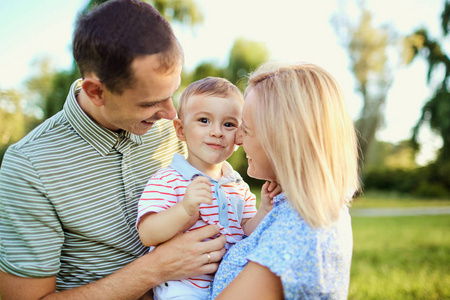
[
  {"x": 94, "y": 90},
  {"x": 178, "y": 124}
]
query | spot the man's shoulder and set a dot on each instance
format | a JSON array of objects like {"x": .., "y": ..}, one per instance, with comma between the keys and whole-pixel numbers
[{"x": 50, "y": 131}]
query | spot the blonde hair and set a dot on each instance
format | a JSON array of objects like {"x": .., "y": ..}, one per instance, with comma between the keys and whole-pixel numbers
[
  {"x": 303, "y": 125},
  {"x": 213, "y": 86}
]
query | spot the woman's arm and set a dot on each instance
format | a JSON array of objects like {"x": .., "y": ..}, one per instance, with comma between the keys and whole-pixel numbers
[{"x": 254, "y": 282}]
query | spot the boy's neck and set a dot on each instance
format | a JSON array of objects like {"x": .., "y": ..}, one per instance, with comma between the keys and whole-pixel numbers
[{"x": 212, "y": 170}]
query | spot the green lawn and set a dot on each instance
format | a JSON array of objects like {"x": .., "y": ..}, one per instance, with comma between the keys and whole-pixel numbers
[{"x": 401, "y": 258}]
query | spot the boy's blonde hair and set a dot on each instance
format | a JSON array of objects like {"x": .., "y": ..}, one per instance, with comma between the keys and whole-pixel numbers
[
  {"x": 213, "y": 86},
  {"x": 304, "y": 127}
]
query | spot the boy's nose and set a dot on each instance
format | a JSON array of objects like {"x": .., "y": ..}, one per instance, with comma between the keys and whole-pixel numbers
[{"x": 216, "y": 131}]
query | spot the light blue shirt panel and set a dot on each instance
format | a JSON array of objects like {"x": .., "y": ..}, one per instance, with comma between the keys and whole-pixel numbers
[{"x": 229, "y": 175}]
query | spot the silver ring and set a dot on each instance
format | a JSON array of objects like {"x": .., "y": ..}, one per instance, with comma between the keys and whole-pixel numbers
[{"x": 209, "y": 258}]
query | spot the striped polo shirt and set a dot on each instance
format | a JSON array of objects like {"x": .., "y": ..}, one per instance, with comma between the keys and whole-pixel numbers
[
  {"x": 69, "y": 192},
  {"x": 229, "y": 194}
]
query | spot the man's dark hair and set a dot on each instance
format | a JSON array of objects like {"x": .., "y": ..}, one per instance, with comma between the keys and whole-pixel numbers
[{"x": 107, "y": 40}]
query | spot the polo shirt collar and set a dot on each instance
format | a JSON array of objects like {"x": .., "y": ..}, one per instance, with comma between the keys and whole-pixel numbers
[
  {"x": 228, "y": 175},
  {"x": 100, "y": 138},
  {"x": 189, "y": 172}
]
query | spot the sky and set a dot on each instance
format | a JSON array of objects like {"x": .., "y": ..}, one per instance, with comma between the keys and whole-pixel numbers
[{"x": 293, "y": 31}]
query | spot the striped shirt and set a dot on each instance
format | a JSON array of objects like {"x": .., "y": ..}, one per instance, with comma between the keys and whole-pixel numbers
[
  {"x": 68, "y": 196},
  {"x": 168, "y": 187}
]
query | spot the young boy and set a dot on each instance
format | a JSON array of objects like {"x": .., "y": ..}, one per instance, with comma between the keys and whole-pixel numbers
[{"x": 204, "y": 188}]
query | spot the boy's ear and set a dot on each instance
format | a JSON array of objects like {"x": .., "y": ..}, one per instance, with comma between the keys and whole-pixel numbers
[
  {"x": 94, "y": 90},
  {"x": 178, "y": 124}
]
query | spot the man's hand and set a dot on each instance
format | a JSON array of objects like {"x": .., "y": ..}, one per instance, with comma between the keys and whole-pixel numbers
[
  {"x": 186, "y": 255},
  {"x": 198, "y": 191}
]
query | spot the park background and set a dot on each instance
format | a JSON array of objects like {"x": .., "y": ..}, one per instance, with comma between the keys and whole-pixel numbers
[{"x": 390, "y": 57}]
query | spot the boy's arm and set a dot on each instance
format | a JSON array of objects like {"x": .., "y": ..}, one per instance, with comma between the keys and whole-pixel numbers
[
  {"x": 155, "y": 228},
  {"x": 268, "y": 191}
]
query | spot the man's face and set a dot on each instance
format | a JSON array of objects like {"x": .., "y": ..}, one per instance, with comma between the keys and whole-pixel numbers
[{"x": 147, "y": 101}]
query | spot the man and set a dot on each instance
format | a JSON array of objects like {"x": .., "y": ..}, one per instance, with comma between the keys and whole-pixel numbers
[{"x": 69, "y": 189}]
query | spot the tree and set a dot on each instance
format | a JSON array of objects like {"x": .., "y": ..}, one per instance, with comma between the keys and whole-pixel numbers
[
  {"x": 13, "y": 118},
  {"x": 245, "y": 56},
  {"x": 436, "y": 111},
  {"x": 367, "y": 46}
]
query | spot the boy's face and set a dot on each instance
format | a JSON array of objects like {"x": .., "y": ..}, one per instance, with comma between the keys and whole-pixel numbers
[{"x": 208, "y": 128}]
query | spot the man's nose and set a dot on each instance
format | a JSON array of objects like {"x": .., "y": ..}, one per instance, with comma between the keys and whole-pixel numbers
[{"x": 167, "y": 110}]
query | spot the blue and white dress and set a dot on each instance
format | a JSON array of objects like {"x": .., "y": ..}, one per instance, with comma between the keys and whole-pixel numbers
[{"x": 312, "y": 263}]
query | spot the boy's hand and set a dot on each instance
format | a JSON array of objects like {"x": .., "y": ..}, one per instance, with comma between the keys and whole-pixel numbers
[
  {"x": 268, "y": 191},
  {"x": 198, "y": 191}
]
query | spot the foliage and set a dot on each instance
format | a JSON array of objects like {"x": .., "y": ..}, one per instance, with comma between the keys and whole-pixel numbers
[
  {"x": 54, "y": 101},
  {"x": 13, "y": 118},
  {"x": 428, "y": 181},
  {"x": 185, "y": 12},
  {"x": 367, "y": 48},
  {"x": 206, "y": 69},
  {"x": 400, "y": 155},
  {"x": 245, "y": 56},
  {"x": 436, "y": 111},
  {"x": 400, "y": 258}
]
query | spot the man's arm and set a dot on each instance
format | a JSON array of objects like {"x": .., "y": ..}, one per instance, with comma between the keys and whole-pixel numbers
[{"x": 183, "y": 256}]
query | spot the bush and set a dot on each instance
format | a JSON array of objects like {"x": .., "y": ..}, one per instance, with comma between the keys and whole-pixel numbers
[{"x": 427, "y": 181}]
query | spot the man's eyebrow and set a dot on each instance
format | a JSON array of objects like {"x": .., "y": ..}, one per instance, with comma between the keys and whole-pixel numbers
[{"x": 145, "y": 103}]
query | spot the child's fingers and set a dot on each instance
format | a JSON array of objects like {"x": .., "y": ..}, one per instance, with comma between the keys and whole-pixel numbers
[
  {"x": 276, "y": 190},
  {"x": 272, "y": 185}
]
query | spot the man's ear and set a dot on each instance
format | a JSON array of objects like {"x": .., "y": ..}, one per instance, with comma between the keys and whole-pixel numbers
[
  {"x": 178, "y": 124},
  {"x": 94, "y": 90}
]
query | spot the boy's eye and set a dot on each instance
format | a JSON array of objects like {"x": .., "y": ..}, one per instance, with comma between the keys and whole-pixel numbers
[
  {"x": 229, "y": 124},
  {"x": 203, "y": 120}
]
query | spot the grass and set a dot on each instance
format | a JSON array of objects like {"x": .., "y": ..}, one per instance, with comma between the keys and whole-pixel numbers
[{"x": 401, "y": 258}]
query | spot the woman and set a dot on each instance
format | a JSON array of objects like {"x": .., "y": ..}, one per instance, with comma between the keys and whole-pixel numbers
[{"x": 295, "y": 131}]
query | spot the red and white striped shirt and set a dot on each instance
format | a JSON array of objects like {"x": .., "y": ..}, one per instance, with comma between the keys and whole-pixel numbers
[{"x": 168, "y": 186}]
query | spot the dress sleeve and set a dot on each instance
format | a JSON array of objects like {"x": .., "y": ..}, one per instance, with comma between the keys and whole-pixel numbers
[
  {"x": 290, "y": 250},
  {"x": 158, "y": 195},
  {"x": 31, "y": 235}
]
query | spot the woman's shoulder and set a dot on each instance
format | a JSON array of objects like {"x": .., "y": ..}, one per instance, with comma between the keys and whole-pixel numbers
[{"x": 292, "y": 238}]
